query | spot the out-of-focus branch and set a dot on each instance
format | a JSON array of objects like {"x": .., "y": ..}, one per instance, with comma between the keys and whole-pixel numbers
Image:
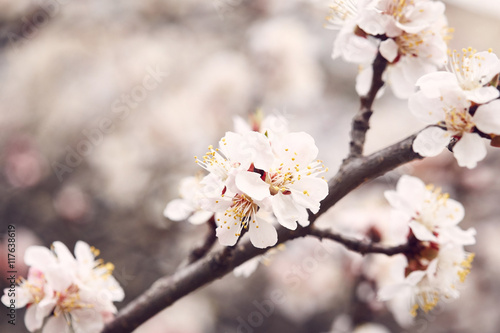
[
  {"x": 361, "y": 121},
  {"x": 210, "y": 239},
  {"x": 359, "y": 246},
  {"x": 169, "y": 289}
]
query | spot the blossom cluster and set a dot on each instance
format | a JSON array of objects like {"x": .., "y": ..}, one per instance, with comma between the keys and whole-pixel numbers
[
  {"x": 437, "y": 261},
  {"x": 75, "y": 293},
  {"x": 410, "y": 35},
  {"x": 463, "y": 103},
  {"x": 258, "y": 175}
]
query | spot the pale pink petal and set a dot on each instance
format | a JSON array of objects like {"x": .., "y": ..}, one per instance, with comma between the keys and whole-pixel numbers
[
  {"x": 87, "y": 321},
  {"x": 262, "y": 233},
  {"x": 83, "y": 254},
  {"x": 252, "y": 185},
  {"x": 296, "y": 150},
  {"x": 469, "y": 150},
  {"x": 401, "y": 87},
  {"x": 488, "y": 65},
  {"x": 285, "y": 210},
  {"x": 59, "y": 277},
  {"x": 431, "y": 141},
  {"x": 415, "y": 277},
  {"x": 200, "y": 217},
  {"x": 421, "y": 16},
  {"x": 460, "y": 236},
  {"x": 308, "y": 192},
  {"x": 421, "y": 232},
  {"x": 355, "y": 49},
  {"x": 45, "y": 307},
  {"x": 64, "y": 256},
  {"x": 240, "y": 125},
  {"x": 364, "y": 80},
  {"x": 413, "y": 189},
  {"x": 371, "y": 22},
  {"x": 487, "y": 117},
  {"x": 482, "y": 95},
  {"x": 39, "y": 257},
  {"x": 56, "y": 324},
  {"x": 188, "y": 187},
  {"x": 30, "y": 319},
  {"x": 427, "y": 110},
  {"x": 400, "y": 202},
  {"x": 432, "y": 83},
  {"x": 228, "y": 231},
  {"x": 389, "y": 49},
  {"x": 451, "y": 213}
]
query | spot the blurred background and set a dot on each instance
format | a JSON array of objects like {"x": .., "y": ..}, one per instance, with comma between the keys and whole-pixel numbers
[{"x": 104, "y": 104}]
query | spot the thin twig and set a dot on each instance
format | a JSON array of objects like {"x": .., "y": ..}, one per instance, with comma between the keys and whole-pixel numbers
[
  {"x": 360, "y": 246},
  {"x": 361, "y": 121},
  {"x": 165, "y": 291}
]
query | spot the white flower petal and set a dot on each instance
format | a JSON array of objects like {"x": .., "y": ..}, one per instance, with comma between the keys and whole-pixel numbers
[
  {"x": 262, "y": 233},
  {"x": 364, "y": 80},
  {"x": 64, "y": 256},
  {"x": 431, "y": 141},
  {"x": 460, "y": 236},
  {"x": 415, "y": 277},
  {"x": 56, "y": 324},
  {"x": 421, "y": 232},
  {"x": 413, "y": 189},
  {"x": 228, "y": 232},
  {"x": 285, "y": 210},
  {"x": 451, "y": 213},
  {"x": 59, "y": 277},
  {"x": 399, "y": 202},
  {"x": 482, "y": 95},
  {"x": 469, "y": 150},
  {"x": 252, "y": 185},
  {"x": 308, "y": 192},
  {"x": 30, "y": 319},
  {"x": 400, "y": 85},
  {"x": 389, "y": 49},
  {"x": 200, "y": 217},
  {"x": 432, "y": 83},
  {"x": 296, "y": 150},
  {"x": 487, "y": 117},
  {"x": 39, "y": 257},
  {"x": 427, "y": 110},
  {"x": 421, "y": 16}
]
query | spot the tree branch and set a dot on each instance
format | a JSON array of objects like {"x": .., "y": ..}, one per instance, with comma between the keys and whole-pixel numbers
[
  {"x": 361, "y": 121},
  {"x": 210, "y": 239},
  {"x": 169, "y": 289},
  {"x": 359, "y": 246}
]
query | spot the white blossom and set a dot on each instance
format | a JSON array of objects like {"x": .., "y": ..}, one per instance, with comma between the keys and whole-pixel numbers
[
  {"x": 79, "y": 292},
  {"x": 422, "y": 289},
  {"x": 251, "y": 176},
  {"x": 188, "y": 206},
  {"x": 410, "y": 35},
  {"x": 431, "y": 214},
  {"x": 456, "y": 102}
]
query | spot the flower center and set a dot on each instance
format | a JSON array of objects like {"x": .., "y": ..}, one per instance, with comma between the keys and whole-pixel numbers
[
  {"x": 409, "y": 43},
  {"x": 342, "y": 11},
  {"x": 458, "y": 121},
  {"x": 467, "y": 68},
  {"x": 241, "y": 213},
  {"x": 396, "y": 8},
  {"x": 214, "y": 162},
  {"x": 69, "y": 300}
]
